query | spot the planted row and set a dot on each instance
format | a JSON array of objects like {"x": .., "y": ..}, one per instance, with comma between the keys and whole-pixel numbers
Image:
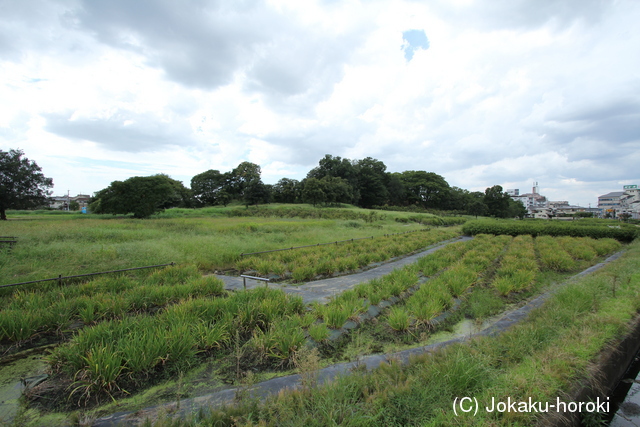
[
  {"x": 437, "y": 295},
  {"x": 112, "y": 354},
  {"x": 27, "y": 313},
  {"x": 518, "y": 267},
  {"x": 305, "y": 264}
]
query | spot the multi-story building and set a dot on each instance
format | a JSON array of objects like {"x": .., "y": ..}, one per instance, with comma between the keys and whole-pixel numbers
[
  {"x": 533, "y": 202},
  {"x": 618, "y": 202},
  {"x": 630, "y": 201}
]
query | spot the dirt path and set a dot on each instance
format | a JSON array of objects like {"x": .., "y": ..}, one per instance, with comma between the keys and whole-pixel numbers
[{"x": 322, "y": 290}]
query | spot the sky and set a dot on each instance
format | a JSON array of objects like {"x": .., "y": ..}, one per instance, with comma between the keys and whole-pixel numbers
[{"x": 482, "y": 92}]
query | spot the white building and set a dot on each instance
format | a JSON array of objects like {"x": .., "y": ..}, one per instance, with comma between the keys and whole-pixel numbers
[{"x": 533, "y": 202}]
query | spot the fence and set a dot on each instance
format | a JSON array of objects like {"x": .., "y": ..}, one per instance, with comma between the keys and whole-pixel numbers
[
  {"x": 60, "y": 278},
  {"x": 245, "y": 277},
  {"x": 4, "y": 240},
  {"x": 330, "y": 243}
]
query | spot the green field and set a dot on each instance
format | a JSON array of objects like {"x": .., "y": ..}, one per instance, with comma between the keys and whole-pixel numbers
[{"x": 122, "y": 334}]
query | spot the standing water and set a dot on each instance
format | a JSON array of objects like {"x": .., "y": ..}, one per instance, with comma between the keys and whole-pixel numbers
[{"x": 19, "y": 371}]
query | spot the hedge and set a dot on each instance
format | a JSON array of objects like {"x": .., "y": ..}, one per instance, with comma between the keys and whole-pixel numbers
[{"x": 515, "y": 228}]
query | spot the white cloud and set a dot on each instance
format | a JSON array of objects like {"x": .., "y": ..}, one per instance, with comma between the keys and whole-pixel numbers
[{"x": 507, "y": 91}]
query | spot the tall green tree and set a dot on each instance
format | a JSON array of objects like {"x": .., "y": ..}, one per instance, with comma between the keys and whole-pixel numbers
[
  {"x": 336, "y": 190},
  {"x": 338, "y": 167},
  {"x": 255, "y": 192},
  {"x": 312, "y": 191},
  {"x": 141, "y": 196},
  {"x": 245, "y": 174},
  {"x": 22, "y": 183},
  {"x": 372, "y": 182},
  {"x": 287, "y": 191},
  {"x": 207, "y": 187},
  {"x": 427, "y": 189},
  {"x": 516, "y": 209},
  {"x": 497, "y": 201},
  {"x": 476, "y": 204},
  {"x": 396, "y": 190}
]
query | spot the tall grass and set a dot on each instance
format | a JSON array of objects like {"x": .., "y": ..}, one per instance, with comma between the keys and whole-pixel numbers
[
  {"x": 61, "y": 245},
  {"x": 538, "y": 359},
  {"x": 27, "y": 313},
  {"x": 172, "y": 340}
]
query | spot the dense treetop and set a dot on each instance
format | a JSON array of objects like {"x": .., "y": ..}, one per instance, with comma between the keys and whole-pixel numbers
[{"x": 22, "y": 183}]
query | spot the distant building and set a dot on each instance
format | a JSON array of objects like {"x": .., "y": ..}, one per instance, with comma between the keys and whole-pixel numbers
[
  {"x": 618, "y": 202},
  {"x": 62, "y": 202},
  {"x": 533, "y": 202},
  {"x": 59, "y": 202},
  {"x": 630, "y": 201}
]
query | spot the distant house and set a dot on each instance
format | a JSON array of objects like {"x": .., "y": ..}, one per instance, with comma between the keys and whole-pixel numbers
[
  {"x": 59, "y": 202},
  {"x": 63, "y": 202}
]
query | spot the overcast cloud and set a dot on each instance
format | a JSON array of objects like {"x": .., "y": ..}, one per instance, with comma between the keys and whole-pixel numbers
[{"x": 481, "y": 92}]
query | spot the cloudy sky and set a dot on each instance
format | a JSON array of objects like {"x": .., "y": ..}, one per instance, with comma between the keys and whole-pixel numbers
[{"x": 481, "y": 92}]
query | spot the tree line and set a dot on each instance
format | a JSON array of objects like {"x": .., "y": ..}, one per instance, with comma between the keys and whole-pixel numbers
[{"x": 364, "y": 183}]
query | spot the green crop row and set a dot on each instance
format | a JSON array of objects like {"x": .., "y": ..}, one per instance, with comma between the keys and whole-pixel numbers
[
  {"x": 518, "y": 267},
  {"x": 430, "y": 300},
  {"x": 436, "y": 296},
  {"x": 112, "y": 354},
  {"x": 29, "y": 312},
  {"x": 305, "y": 264},
  {"x": 552, "y": 256},
  {"x": 547, "y": 228}
]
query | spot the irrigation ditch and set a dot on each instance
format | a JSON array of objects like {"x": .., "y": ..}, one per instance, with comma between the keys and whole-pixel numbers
[{"x": 611, "y": 366}]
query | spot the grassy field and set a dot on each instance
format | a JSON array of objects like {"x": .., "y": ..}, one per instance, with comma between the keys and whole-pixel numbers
[
  {"x": 124, "y": 333},
  {"x": 55, "y": 244}
]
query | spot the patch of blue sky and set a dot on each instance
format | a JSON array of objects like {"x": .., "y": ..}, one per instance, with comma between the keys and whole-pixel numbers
[{"x": 412, "y": 41}]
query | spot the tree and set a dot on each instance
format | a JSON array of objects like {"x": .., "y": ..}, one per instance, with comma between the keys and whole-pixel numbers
[
  {"x": 476, "y": 204},
  {"x": 242, "y": 175},
  {"x": 427, "y": 189},
  {"x": 312, "y": 191},
  {"x": 286, "y": 191},
  {"x": 497, "y": 201},
  {"x": 22, "y": 183},
  {"x": 183, "y": 197},
  {"x": 255, "y": 191},
  {"x": 516, "y": 209},
  {"x": 395, "y": 188},
  {"x": 140, "y": 195},
  {"x": 336, "y": 190},
  {"x": 208, "y": 186},
  {"x": 372, "y": 182},
  {"x": 339, "y": 168}
]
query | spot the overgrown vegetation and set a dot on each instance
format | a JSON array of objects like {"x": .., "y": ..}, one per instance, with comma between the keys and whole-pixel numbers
[
  {"x": 306, "y": 263},
  {"x": 52, "y": 245},
  {"x": 130, "y": 331},
  {"x": 621, "y": 232},
  {"x": 540, "y": 358}
]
